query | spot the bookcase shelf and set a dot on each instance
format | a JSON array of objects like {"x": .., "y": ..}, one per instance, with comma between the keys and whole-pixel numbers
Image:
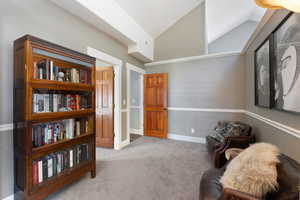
[
  {"x": 54, "y": 117},
  {"x": 50, "y": 148},
  {"x": 55, "y": 85},
  {"x": 59, "y": 115}
]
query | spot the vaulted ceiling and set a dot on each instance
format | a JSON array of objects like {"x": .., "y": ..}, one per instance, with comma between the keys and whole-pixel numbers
[
  {"x": 137, "y": 23},
  {"x": 156, "y": 16},
  {"x": 222, "y": 16}
]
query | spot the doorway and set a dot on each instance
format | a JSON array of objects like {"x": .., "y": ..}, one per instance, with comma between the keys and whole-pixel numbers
[
  {"x": 104, "y": 105},
  {"x": 117, "y": 66},
  {"x": 135, "y": 82}
]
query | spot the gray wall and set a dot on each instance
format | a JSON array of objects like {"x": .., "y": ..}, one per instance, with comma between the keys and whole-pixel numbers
[
  {"x": 185, "y": 38},
  {"x": 205, "y": 83},
  {"x": 43, "y": 19},
  {"x": 6, "y": 164},
  {"x": 234, "y": 40},
  {"x": 287, "y": 143}
]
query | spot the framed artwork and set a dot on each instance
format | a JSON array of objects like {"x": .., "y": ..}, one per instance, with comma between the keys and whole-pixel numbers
[
  {"x": 263, "y": 96},
  {"x": 287, "y": 66}
]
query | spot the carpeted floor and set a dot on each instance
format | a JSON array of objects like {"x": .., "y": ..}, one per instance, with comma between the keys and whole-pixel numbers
[{"x": 147, "y": 169}]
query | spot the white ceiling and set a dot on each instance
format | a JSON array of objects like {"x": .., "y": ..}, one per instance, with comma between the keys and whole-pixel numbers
[
  {"x": 222, "y": 15},
  {"x": 156, "y": 16}
]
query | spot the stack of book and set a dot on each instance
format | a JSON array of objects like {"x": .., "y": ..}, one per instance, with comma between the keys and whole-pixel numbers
[
  {"x": 55, "y": 163},
  {"x": 48, "y": 133},
  {"x": 45, "y": 69},
  {"x": 59, "y": 102}
]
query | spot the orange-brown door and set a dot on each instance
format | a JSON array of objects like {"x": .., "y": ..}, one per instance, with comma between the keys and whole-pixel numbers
[
  {"x": 105, "y": 107},
  {"x": 155, "y": 105}
]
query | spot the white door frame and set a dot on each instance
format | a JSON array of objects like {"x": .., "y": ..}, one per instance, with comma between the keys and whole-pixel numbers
[
  {"x": 131, "y": 67},
  {"x": 117, "y": 65}
]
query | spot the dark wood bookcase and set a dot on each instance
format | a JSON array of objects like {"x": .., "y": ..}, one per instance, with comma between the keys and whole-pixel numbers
[{"x": 45, "y": 70}]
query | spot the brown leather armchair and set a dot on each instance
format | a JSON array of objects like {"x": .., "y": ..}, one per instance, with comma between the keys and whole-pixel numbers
[
  {"x": 288, "y": 171},
  {"x": 217, "y": 149}
]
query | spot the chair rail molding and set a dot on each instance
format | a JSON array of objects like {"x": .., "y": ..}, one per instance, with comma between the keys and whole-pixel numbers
[
  {"x": 223, "y": 110},
  {"x": 6, "y": 127},
  {"x": 290, "y": 130}
]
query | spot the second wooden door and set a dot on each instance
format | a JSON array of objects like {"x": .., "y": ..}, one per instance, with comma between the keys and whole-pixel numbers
[
  {"x": 105, "y": 107},
  {"x": 155, "y": 105}
]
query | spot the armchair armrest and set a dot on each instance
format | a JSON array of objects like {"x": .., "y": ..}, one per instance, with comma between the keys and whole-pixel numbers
[
  {"x": 231, "y": 142},
  {"x": 230, "y": 194}
]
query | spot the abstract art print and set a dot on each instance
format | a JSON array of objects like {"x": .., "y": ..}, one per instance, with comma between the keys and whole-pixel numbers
[
  {"x": 262, "y": 75},
  {"x": 287, "y": 68}
]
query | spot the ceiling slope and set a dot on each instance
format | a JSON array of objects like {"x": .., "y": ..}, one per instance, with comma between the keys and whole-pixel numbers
[
  {"x": 109, "y": 17},
  {"x": 224, "y": 16},
  {"x": 156, "y": 16}
]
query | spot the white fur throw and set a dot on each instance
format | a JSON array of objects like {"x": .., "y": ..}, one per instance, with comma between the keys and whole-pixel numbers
[{"x": 253, "y": 171}]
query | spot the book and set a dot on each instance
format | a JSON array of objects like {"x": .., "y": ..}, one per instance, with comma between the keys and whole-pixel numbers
[
  {"x": 46, "y": 103},
  {"x": 55, "y": 102},
  {"x": 40, "y": 103},
  {"x": 50, "y": 166},
  {"x": 35, "y": 172},
  {"x": 42, "y": 69},
  {"x": 71, "y": 157},
  {"x": 51, "y": 70},
  {"x": 40, "y": 171},
  {"x": 45, "y": 168},
  {"x": 35, "y": 70},
  {"x": 77, "y": 125}
]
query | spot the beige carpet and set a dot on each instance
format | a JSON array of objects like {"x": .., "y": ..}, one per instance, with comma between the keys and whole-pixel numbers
[{"x": 147, "y": 169}]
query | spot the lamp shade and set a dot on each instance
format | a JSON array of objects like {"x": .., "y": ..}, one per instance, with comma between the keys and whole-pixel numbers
[{"x": 293, "y": 5}]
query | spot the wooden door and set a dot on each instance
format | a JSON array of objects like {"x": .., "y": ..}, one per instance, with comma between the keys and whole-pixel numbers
[
  {"x": 105, "y": 107},
  {"x": 155, "y": 105}
]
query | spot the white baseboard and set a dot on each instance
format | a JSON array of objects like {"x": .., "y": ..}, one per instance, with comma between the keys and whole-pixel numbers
[
  {"x": 137, "y": 131},
  {"x": 11, "y": 197},
  {"x": 200, "y": 140},
  {"x": 124, "y": 144}
]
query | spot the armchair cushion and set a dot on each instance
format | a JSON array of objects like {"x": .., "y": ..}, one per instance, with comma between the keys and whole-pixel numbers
[{"x": 253, "y": 171}]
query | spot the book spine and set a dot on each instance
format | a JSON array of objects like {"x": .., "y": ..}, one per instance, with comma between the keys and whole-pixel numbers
[
  {"x": 45, "y": 168},
  {"x": 34, "y": 104},
  {"x": 50, "y": 167},
  {"x": 40, "y": 171},
  {"x": 71, "y": 157},
  {"x": 48, "y": 70},
  {"x": 77, "y": 102},
  {"x": 87, "y": 126},
  {"x": 49, "y": 134},
  {"x": 35, "y": 70},
  {"x": 40, "y": 73},
  {"x": 35, "y": 179},
  {"x": 50, "y": 102},
  {"x": 77, "y": 128},
  {"x": 55, "y": 164},
  {"x": 59, "y": 163},
  {"x": 55, "y": 103},
  {"x": 51, "y": 71}
]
